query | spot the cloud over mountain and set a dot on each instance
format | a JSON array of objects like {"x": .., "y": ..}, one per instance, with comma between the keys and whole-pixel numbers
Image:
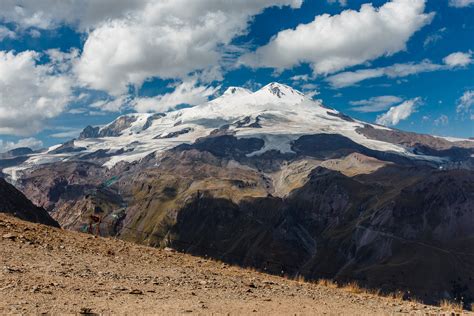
[
  {"x": 29, "y": 142},
  {"x": 334, "y": 42},
  {"x": 165, "y": 41},
  {"x": 375, "y": 104},
  {"x": 398, "y": 113},
  {"x": 188, "y": 92}
]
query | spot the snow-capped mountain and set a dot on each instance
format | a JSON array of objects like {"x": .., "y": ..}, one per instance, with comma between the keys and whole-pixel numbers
[
  {"x": 270, "y": 179},
  {"x": 277, "y": 114}
]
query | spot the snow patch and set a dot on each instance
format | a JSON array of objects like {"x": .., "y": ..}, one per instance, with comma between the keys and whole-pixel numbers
[{"x": 284, "y": 115}]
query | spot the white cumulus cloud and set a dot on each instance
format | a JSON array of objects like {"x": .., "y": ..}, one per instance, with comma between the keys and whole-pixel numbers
[
  {"x": 131, "y": 41},
  {"x": 458, "y": 59},
  {"x": 187, "y": 92},
  {"x": 30, "y": 93},
  {"x": 168, "y": 39},
  {"x": 49, "y": 14},
  {"x": 332, "y": 43},
  {"x": 398, "y": 113}
]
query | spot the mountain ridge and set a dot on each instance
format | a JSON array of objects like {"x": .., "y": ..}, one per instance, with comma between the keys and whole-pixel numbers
[
  {"x": 15, "y": 203},
  {"x": 276, "y": 113},
  {"x": 273, "y": 180}
]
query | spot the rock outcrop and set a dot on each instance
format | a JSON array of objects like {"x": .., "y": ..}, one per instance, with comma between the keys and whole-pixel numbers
[{"x": 14, "y": 202}]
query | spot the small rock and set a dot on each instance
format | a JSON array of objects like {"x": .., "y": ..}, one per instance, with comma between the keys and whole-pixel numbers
[
  {"x": 119, "y": 288},
  {"x": 169, "y": 249},
  {"x": 136, "y": 292},
  {"x": 8, "y": 269},
  {"x": 9, "y": 236}
]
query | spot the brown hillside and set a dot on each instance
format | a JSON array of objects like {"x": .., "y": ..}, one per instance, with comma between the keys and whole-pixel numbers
[{"x": 49, "y": 270}]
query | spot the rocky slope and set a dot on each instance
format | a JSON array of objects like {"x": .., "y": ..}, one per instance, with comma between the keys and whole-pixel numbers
[
  {"x": 52, "y": 271},
  {"x": 276, "y": 181},
  {"x": 14, "y": 202}
]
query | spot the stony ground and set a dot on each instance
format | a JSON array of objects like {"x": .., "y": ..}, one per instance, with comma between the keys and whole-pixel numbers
[{"x": 52, "y": 271}]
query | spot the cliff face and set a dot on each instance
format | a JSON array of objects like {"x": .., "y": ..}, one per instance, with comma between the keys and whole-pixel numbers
[{"x": 14, "y": 202}]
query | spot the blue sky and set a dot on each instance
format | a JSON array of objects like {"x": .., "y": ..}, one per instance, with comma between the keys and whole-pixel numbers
[{"x": 402, "y": 63}]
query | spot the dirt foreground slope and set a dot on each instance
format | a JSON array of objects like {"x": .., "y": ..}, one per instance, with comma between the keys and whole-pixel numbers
[{"x": 48, "y": 270}]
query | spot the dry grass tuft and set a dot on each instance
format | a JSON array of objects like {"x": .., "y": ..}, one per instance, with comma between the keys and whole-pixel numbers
[
  {"x": 299, "y": 278},
  {"x": 354, "y": 287},
  {"x": 452, "y": 306},
  {"x": 327, "y": 283},
  {"x": 375, "y": 292},
  {"x": 399, "y": 295}
]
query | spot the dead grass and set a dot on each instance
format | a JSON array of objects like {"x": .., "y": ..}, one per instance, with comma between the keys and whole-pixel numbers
[
  {"x": 300, "y": 278},
  {"x": 451, "y": 306},
  {"x": 353, "y": 287},
  {"x": 398, "y": 295},
  {"x": 327, "y": 283},
  {"x": 376, "y": 292}
]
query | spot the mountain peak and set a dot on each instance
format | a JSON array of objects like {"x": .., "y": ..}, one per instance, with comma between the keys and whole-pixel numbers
[
  {"x": 280, "y": 90},
  {"x": 237, "y": 91},
  {"x": 274, "y": 94},
  {"x": 279, "y": 93}
]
